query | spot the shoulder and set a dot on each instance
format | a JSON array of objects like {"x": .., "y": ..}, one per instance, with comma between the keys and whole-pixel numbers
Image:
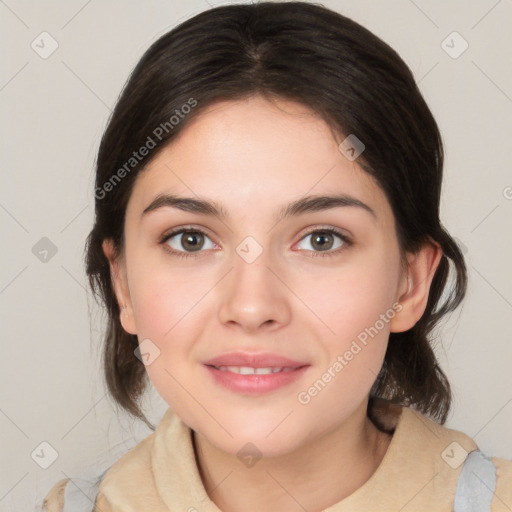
[
  {"x": 418, "y": 432},
  {"x": 423, "y": 450},
  {"x": 502, "y": 500},
  {"x": 77, "y": 494},
  {"x": 454, "y": 448},
  {"x": 65, "y": 497},
  {"x": 115, "y": 487},
  {"x": 447, "y": 442},
  {"x": 145, "y": 464}
]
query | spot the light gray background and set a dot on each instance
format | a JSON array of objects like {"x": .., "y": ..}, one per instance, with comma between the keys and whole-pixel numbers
[{"x": 53, "y": 113}]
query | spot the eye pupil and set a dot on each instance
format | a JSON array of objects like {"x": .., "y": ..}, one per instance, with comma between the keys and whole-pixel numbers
[
  {"x": 322, "y": 236},
  {"x": 189, "y": 239}
]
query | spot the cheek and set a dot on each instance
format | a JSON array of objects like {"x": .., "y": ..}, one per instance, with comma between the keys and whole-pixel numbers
[
  {"x": 360, "y": 315},
  {"x": 357, "y": 304},
  {"x": 168, "y": 305},
  {"x": 353, "y": 298},
  {"x": 164, "y": 298}
]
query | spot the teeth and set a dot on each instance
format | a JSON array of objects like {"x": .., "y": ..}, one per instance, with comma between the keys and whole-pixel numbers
[{"x": 247, "y": 370}]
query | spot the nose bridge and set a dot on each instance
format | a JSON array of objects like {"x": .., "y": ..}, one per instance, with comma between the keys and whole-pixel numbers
[{"x": 253, "y": 296}]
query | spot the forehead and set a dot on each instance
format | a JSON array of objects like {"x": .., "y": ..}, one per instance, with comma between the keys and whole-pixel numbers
[{"x": 255, "y": 152}]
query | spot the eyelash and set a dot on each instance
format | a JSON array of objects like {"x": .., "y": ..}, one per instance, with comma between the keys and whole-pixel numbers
[{"x": 322, "y": 254}]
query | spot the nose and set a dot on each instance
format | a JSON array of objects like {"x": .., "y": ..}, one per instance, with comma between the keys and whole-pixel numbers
[{"x": 254, "y": 296}]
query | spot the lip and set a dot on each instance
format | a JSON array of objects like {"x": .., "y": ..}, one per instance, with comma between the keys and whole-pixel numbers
[
  {"x": 255, "y": 360},
  {"x": 255, "y": 384}
]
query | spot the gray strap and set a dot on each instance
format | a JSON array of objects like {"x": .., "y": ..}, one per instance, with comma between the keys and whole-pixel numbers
[
  {"x": 476, "y": 484},
  {"x": 80, "y": 494}
]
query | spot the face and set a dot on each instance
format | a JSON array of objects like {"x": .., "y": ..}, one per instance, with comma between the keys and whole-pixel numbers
[{"x": 318, "y": 287}]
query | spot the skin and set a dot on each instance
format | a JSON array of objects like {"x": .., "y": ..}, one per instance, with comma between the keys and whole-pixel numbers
[{"x": 253, "y": 157}]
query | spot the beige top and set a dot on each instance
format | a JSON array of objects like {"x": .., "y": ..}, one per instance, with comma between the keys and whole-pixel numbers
[{"x": 417, "y": 474}]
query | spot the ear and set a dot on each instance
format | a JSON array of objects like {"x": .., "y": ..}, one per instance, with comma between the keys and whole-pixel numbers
[
  {"x": 120, "y": 285},
  {"x": 415, "y": 284}
]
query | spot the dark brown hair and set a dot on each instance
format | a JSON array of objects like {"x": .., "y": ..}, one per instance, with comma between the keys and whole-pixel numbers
[{"x": 354, "y": 81}]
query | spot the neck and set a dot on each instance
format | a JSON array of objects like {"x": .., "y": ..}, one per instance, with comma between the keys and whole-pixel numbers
[{"x": 313, "y": 477}]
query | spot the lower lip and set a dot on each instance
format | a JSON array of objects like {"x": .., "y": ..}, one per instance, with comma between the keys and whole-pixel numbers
[{"x": 255, "y": 384}]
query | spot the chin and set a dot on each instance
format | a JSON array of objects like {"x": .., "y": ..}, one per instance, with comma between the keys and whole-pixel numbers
[{"x": 256, "y": 438}]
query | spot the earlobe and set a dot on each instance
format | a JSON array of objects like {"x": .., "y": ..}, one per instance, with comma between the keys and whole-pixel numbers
[
  {"x": 127, "y": 320},
  {"x": 415, "y": 286},
  {"x": 120, "y": 285}
]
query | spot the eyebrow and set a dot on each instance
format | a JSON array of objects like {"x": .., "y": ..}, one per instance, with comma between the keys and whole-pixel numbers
[{"x": 303, "y": 205}]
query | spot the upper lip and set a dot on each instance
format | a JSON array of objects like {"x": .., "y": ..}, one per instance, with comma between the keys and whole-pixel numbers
[{"x": 260, "y": 360}]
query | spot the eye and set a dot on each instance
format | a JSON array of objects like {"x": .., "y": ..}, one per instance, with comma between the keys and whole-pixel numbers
[
  {"x": 185, "y": 246},
  {"x": 323, "y": 241}
]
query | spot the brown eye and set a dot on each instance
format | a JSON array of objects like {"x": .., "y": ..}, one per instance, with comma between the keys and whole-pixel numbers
[
  {"x": 324, "y": 241},
  {"x": 186, "y": 241},
  {"x": 192, "y": 241}
]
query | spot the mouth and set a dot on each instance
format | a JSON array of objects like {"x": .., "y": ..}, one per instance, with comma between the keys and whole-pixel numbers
[
  {"x": 248, "y": 370},
  {"x": 253, "y": 374},
  {"x": 251, "y": 361}
]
